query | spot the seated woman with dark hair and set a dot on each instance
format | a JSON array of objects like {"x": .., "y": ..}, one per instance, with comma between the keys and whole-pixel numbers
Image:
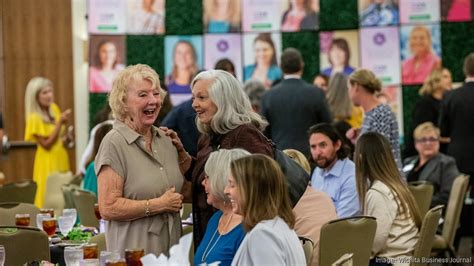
[{"x": 431, "y": 165}]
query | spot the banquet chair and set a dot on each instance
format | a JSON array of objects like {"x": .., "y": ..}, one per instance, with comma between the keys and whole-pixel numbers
[
  {"x": 23, "y": 191},
  {"x": 84, "y": 202},
  {"x": 100, "y": 241},
  {"x": 344, "y": 260},
  {"x": 67, "y": 194},
  {"x": 308, "y": 247},
  {"x": 427, "y": 234},
  {"x": 347, "y": 235},
  {"x": 24, "y": 245},
  {"x": 9, "y": 209},
  {"x": 423, "y": 193},
  {"x": 54, "y": 198},
  {"x": 445, "y": 241}
]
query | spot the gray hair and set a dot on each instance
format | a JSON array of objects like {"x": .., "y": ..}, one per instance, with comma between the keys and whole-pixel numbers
[
  {"x": 35, "y": 85},
  {"x": 254, "y": 90},
  {"x": 339, "y": 102},
  {"x": 233, "y": 105},
  {"x": 217, "y": 169},
  {"x": 121, "y": 83}
]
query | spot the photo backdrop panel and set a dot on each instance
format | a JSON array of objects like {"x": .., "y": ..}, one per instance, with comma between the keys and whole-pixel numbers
[
  {"x": 299, "y": 15},
  {"x": 223, "y": 46},
  {"x": 145, "y": 17},
  {"x": 378, "y": 13},
  {"x": 338, "y": 15},
  {"x": 261, "y": 15},
  {"x": 147, "y": 49},
  {"x": 339, "y": 51},
  {"x": 183, "y": 60},
  {"x": 305, "y": 42},
  {"x": 222, "y": 16},
  {"x": 380, "y": 52},
  {"x": 97, "y": 101},
  {"x": 107, "y": 59},
  {"x": 262, "y": 49},
  {"x": 183, "y": 17},
  {"x": 456, "y": 10},
  {"x": 420, "y": 51},
  {"x": 457, "y": 43},
  {"x": 107, "y": 16},
  {"x": 419, "y": 11}
]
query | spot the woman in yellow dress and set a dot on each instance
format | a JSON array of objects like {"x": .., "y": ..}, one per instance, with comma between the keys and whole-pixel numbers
[{"x": 45, "y": 126}]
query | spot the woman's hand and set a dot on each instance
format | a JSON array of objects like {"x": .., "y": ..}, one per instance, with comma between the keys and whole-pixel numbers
[
  {"x": 174, "y": 138},
  {"x": 171, "y": 201},
  {"x": 65, "y": 116},
  {"x": 352, "y": 134}
]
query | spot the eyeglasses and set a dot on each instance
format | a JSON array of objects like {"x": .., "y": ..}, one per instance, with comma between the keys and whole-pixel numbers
[{"x": 426, "y": 140}]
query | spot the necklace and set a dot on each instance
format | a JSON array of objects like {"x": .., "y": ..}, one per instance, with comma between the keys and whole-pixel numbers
[{"x": 206, "y": 252}]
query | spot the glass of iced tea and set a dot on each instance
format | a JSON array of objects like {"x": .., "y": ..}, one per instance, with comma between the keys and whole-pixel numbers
[
  {"x": 132, "y": 256},
  {"x": 50, "y": 211},
  {"x": 91, "y": 251},
  {"x": 49, "y": 226},
  {"x": 22, "y": 219},
  {"x": 97, "y": 212}
]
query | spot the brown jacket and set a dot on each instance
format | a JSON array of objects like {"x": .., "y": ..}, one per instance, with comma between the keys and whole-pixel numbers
[{"x": 246, "y": 137}]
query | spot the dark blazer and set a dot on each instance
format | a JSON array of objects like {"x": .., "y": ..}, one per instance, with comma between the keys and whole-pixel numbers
[
  {"x": 182, "y": 119},
  {"x": 291, "y": 108},
  {"x": 457, "y": 122},
  {"x": 441, "y": 171},
  {"x": 246, "y": 137}
]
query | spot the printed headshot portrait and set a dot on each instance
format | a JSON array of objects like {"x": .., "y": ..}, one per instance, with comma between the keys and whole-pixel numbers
[
  {"x": 300, "y": 15},
  {"x": 420, "y": 51},
  {"x": 146, "y": 16},
  {"x": 378, "y": 12},
  {"x": 221, "y": 16},
  {"x": 107, "y": 59},
  {"x": 339, "y": 52}
]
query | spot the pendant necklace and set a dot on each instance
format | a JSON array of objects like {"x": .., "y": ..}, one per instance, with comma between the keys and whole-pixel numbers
[{"x": 206, "y": 252}]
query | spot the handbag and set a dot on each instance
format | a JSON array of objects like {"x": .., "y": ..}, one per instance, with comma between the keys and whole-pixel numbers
[{"x": 297, "y": 179}]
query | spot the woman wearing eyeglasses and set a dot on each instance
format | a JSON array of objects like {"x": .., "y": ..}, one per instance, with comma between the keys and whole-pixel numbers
[{"x": 431, "y": 165}]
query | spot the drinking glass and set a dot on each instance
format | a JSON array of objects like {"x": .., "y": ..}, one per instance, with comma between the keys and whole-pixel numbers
[
  {"x": 39, "y": 219},
  {"x": 90, "y": 262},
  {"x": 65, "y": 224},
  {"x": 117, "y": 262},
  {"x": 91, "y": 251},
  {"x": 108, "y": 256},
  {"x": 22, "y": 219},
  {"x": 2, "y": 255},
  {"x": 50, "y": 211},
  {"x": 71, "y": 213},
  {"x": 132, "y": 256},
  {"x": 97, "y": 212},
  {"x": 49, "y": 226},
  {"x": 73, "y": 255}
]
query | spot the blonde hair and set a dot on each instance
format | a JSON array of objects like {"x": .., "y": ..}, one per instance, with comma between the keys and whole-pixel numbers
[
  {"x": 263, "y": 190},
  {"x": 120, "y": 87},
  {"x": 432, "y": 82},
  {"x": 374, "y": 161},
  {"x": 217, "y": 169},
  {"x": 233, "y": 105},
  {"x": 233, "y": 12},
  {"x": 423, "y": 128},
  {"x": 299, "y": 157},
  {"x": 425, "y": 30},
  {"x": 35, "y": 85},
  {"x": 366, "y": 79},
  {"x": 338, "y": 98}
]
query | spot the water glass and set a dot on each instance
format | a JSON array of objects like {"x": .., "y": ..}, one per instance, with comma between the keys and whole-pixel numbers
[
  {"x": 49, "y": 226},
  {"x": 71, "y": 213},
  {"x": 39, "y": 219},
  {"x": 65, "y": 223},
  {"x": 90, "y": 262},
  {"x": 73, "y": 255},
  {"x": 2, "y": 255},
  {"x": 22, "y": 219},
  {"x": 108, "y": 256}
]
